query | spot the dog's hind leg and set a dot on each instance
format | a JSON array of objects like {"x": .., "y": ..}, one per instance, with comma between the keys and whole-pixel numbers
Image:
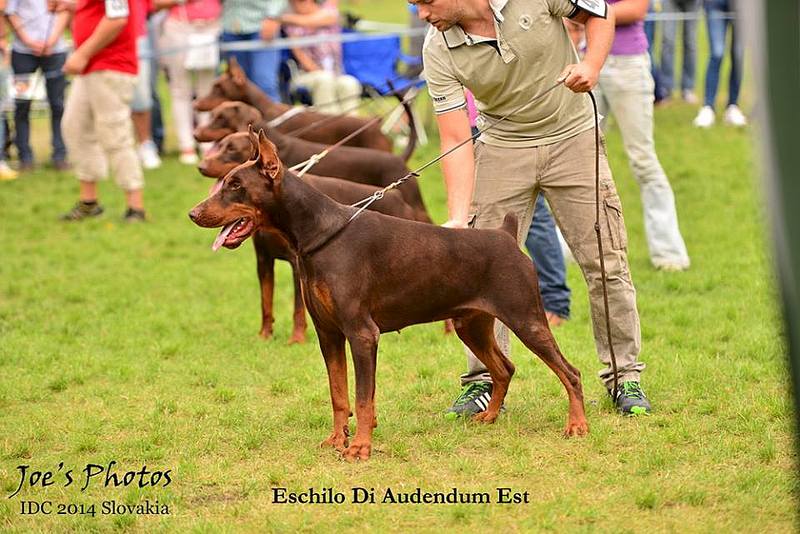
[
  {"x": 332, "y": 345},
  {"x": 299, "y": 317},
  {"x": 477, "y": 332},
  {"x": 533, "y": 331},
  {"x": 266, "y": 278},
  {"x": 364, "y": 348}
]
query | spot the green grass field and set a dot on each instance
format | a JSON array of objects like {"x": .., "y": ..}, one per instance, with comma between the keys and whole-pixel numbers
[{"x": 137, "y": 344}]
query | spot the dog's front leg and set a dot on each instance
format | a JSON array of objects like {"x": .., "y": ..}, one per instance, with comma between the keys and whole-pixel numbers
[
  {"x": 364, "y": 347},
  {"x": 266, "y": 278},
  {"x": 332, "y": 346},
  {"x": 299, "y": 330}
]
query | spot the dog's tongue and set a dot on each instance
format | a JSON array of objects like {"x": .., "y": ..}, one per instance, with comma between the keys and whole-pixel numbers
[{"x": 223, "y": 235}]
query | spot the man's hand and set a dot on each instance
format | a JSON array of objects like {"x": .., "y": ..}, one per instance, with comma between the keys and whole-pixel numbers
[
  {"x": 76, "y": 63},
  {"x": 37, "y": 47},
  {"x": 580, "y": 78},
  {"x": 61, "y": 5},
  {"x": 269, "y": 29},
  {"x": 452, "y": 223}
]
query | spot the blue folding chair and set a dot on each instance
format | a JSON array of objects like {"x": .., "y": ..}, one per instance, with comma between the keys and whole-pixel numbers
[{"x": 374, "y": 62}]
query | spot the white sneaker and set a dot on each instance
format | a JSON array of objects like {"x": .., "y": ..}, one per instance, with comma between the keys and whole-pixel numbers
[
  {"x": 735, "y": 117},
  {"x": 689, "y": 97},
  {"x": 6, "y": 172},
  {"x": 189, "y": 158},
  {"x": 705, "y": 118},
  {"x": 148, "y": 155}
]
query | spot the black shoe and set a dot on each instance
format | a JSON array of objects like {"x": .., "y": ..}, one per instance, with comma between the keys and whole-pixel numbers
[
  {"x": 82, "y": 210},
  {"x": 61, "y": 165},
  {"x": 631, "y": 399},
  {"x": 134, "y": 215},
  {"x": 474, "y": 398},
  {"x": 25, "y": 166}
]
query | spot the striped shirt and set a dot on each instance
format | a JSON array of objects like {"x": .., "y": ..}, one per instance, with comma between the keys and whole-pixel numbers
[{"x": 245, "y": 16}]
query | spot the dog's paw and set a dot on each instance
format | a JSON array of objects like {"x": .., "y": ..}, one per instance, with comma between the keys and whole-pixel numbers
[
  {"x": 265, "y": 333},
  {"x": 576, "y": 429},
  {"x": 336, "y": 440},
  {"x": 485, "y": 417},
  {"x": 297, "y": 337},
  {"x": 357, "y": 451}
]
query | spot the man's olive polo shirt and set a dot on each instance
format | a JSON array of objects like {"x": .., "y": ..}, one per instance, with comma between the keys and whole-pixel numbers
[{"x": 531, "y": 50}]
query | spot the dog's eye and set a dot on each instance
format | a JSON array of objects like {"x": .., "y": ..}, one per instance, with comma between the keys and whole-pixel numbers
[{"x": 234, "y": 185}]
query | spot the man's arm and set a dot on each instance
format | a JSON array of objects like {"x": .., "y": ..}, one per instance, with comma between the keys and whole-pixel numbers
[
  {"x": 62, "y": 19},
  {"x": 582, "y": 78},
  {"x": 19, "y": 30},
  {"x": 459, "y": 167},
  {"x": 304, "y": 60},
  {"x": 630, "y": 11},
  {"x": 104, "y": 34},
  {"x": 320, "y": 19}
]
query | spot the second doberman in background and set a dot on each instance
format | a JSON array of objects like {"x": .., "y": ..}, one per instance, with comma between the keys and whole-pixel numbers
[
  {"x": 363, "y": 277},
  {"x": 356, "y": 164}
]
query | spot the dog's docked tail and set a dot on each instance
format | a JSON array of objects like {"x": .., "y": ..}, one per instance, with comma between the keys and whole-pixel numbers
[{"x": 510, "y": 224}]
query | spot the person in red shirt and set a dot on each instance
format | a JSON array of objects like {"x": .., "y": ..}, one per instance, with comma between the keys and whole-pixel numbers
[{"x": 97, "y": 115}]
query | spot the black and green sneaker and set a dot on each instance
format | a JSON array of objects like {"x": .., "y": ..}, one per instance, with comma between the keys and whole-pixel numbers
[
  {"x": 132, "y": 215},
  {"x": 83, "y": 210},
  {"x": 474, "y": 398},
  {"x": 631, "y": 400}
]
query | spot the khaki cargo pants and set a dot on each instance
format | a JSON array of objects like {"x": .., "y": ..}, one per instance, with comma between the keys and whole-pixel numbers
[
  {"x": 509, "y": 179},
  {"x": 98, "y": 130}
]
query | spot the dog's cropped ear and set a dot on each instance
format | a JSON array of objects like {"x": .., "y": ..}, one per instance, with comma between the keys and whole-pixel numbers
[
  {"x": 236, "y": 72},
  {"x": 267, "y": 158},
  {"x": 253, "y": 141}
]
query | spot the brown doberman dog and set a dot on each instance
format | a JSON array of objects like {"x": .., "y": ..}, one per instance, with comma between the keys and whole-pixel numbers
[
  {"x": 379, "y": 274},
  {"x": 351, "y": 163},
  {"x": 233, "y": 85},
  {"x": 270, "y": 245}
]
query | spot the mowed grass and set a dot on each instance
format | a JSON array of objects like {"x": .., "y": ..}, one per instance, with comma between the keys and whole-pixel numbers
[{"x": 138, "y": 344}]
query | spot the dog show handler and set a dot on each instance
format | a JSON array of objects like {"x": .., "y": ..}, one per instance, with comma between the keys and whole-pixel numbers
[{"x": 507, "y": 52}]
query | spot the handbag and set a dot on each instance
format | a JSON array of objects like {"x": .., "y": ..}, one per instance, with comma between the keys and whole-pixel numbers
[
  {"x": 202, "y": 47},
  {"x": 203, "y": 50}
]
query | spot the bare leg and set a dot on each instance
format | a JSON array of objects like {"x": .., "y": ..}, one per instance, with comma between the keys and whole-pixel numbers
[
  {"x": 135, "y": 199},
  {"x": 88, "y": 191},
  {"x": 141, "y": 125}
]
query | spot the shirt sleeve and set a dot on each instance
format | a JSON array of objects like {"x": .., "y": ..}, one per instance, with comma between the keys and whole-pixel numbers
[
  {"x": 569, "y": 8},
  {"x": 11, "y": 7},
  {"x": 117, "y": 9},
  {"x": 446, "y": 91},
  {"x": 275, "y": 8},
  {"x": 562, "y": 8}
]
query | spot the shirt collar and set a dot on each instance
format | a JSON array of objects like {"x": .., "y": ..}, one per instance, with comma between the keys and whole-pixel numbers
[{"x": 456, "y": 36}]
